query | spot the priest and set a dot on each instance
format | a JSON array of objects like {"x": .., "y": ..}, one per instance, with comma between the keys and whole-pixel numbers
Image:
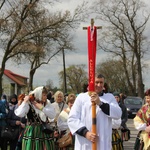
[{"x": 80, "y": 117}]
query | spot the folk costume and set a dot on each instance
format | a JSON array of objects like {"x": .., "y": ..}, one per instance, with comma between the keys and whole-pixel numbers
[
  {"x": 116, "y": 138},
  {"x": 33, "y": 137},
  {"x": 80, "y": 121},
  {"x": 141, "y": 121}
]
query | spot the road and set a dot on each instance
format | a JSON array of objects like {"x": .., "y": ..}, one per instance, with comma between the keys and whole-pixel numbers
[{"x": 129, "y": 145}]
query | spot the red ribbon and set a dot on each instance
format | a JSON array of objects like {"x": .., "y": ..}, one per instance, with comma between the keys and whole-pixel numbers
[{"x": 92, "y": 42}]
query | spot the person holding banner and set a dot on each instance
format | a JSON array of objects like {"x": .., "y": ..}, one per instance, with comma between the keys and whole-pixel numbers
[{"x": 80, "y": 117}]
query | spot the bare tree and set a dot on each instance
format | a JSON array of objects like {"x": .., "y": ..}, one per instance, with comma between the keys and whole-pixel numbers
[
  {"x": 43, "y": 45},
  {"x": 35, "y": 39},
  {"x": 124, "y": 36},
  {"x": 2, "y": 3},
  {"x": 11, "y": 33}
]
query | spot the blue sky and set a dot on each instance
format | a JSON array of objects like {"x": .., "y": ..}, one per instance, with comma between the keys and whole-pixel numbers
[{"x": 51, "y": 70}]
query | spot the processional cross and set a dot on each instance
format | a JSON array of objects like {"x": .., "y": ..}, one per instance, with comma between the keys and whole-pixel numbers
[{"x": 92, "y": 44}]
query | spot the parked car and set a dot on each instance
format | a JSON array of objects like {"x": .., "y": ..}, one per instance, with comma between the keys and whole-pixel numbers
[{"x": 133, "y": 104}]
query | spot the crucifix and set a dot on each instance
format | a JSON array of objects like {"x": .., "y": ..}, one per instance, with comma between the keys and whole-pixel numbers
[{"x": 92, "y": 44}]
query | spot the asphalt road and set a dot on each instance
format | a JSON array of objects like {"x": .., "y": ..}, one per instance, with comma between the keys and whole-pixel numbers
[{"x": 129, "y": 145}]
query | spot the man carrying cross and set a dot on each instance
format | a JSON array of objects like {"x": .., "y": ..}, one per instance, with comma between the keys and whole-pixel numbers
[{"x": 80, "y": 118}]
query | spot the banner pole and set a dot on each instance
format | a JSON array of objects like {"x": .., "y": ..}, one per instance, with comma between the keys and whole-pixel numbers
[{"x": 92, "y": 44}]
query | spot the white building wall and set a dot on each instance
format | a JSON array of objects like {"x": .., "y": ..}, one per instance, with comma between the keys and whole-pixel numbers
[{"x": 6, "y": 82}]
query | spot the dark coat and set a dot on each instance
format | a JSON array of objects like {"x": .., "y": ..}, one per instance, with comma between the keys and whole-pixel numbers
[
  {"x": 124, "y": 117},
  {"x": 12, "y": 118},
  {"x": 2, "y": 113}
]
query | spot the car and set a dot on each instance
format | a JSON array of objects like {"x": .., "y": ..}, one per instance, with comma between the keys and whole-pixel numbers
[{"x": 133, "y": 104}]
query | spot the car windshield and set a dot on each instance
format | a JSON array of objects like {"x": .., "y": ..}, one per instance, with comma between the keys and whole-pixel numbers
[{"x": 133, "y": 101}]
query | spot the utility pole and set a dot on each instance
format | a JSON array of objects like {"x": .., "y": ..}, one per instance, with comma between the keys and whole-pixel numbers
[{"x": 64, "y": 66}]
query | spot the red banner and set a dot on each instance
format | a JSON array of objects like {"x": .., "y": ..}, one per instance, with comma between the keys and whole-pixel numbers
[{"x": 92, "y": 43}]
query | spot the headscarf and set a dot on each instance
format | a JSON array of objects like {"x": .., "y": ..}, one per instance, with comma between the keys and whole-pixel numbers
[{"x": 38, "y": 95}]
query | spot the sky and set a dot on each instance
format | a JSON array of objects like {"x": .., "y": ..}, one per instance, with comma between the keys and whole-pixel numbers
[{"x": 51, "y": 70}]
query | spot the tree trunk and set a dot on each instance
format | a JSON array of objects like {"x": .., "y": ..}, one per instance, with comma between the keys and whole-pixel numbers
[
  {"x": 131, "y": 88},
  {"x": 32, "y": 72},
  {"x": 140, "y": 80},
  {"x": 1, "y": 88},
  {"x": 1, "y": 76}
]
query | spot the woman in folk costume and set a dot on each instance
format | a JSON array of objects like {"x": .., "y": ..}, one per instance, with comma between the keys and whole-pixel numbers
[
  {"x": 62, "y": 120},
  {"x": 38, "y": 109},
  {"x": 142, "y": 121}
]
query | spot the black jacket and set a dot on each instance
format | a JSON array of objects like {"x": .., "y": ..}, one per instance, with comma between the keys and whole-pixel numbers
[{"x": 124, "y": 117}]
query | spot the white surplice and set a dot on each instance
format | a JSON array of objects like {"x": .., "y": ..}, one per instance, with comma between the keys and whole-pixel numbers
[{"x": 81, "y": 115}]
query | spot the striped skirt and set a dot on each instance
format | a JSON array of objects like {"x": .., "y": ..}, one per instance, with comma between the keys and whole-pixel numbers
[
  {"x": 116, "y": 140},
  {"x": 35, "y": 139}
]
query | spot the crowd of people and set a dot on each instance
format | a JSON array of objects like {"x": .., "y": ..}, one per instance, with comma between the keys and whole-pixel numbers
[
  {"x": 43, "y": 119},
  {"x": 29, "y": 113}
]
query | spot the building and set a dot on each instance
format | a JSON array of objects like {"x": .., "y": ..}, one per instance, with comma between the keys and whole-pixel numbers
[{"x": 13, "y": 83}]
